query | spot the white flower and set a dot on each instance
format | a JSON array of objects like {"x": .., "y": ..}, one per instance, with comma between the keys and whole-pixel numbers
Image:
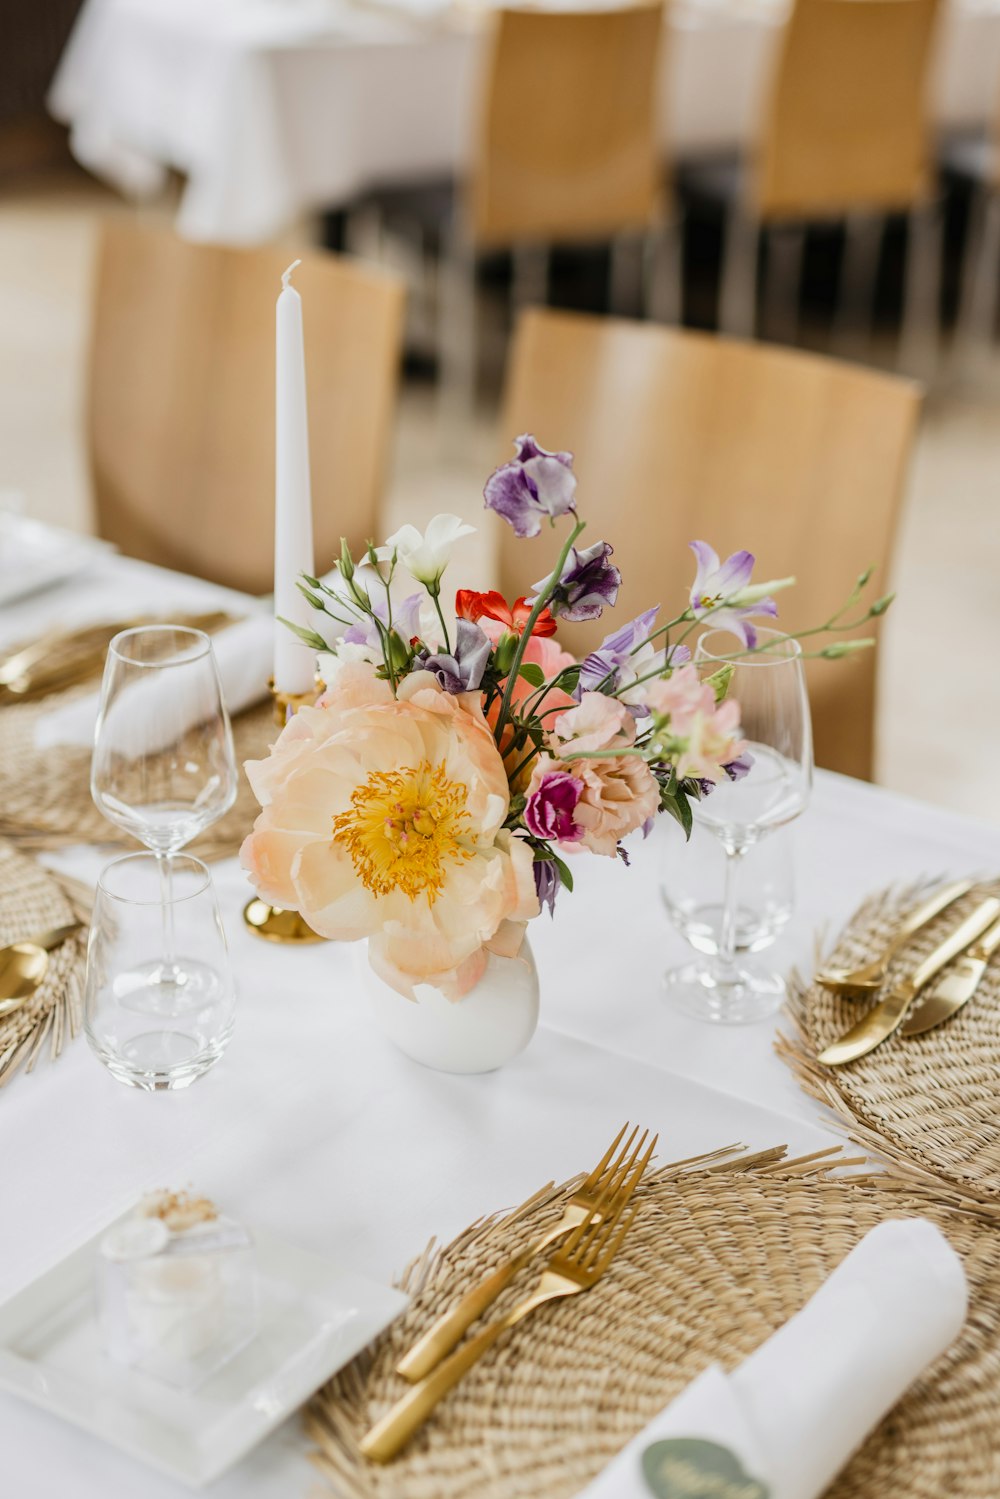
[{"x": 426, "y": 556}]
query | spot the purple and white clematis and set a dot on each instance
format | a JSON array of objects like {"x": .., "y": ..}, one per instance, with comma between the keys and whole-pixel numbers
[
  {"x": 462, "y": 671},
  {"x": 589, "y": 584},
  {"x": 536, "y": 484},
  {"x": 624, "y": 656},
  {"x": 718, "y": 589}
]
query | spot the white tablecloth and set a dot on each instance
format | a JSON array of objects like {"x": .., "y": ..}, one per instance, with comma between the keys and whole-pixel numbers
[
  {"x": 313, "y": 1127},
  {"x": 275, "y": 107}
]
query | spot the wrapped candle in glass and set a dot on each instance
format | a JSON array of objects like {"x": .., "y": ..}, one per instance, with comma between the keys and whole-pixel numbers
[{"x": 177, "y": 1289}]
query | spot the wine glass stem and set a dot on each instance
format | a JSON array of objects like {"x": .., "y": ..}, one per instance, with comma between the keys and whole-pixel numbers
[
  {"x": 726, "y": 955},
  {"x": 167, "y": 908}
]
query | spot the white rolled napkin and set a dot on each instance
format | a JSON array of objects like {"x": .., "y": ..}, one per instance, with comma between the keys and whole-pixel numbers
[
  {"x": 244, "y": 653},
  {"x": 785, "y": 1423}
]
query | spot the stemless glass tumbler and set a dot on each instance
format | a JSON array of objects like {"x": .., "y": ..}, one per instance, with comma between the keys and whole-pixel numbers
[
  {"x": 774, "y": 714},
  {"x": 141, "y": 1039},
  {"x": 163, "y": 766}
]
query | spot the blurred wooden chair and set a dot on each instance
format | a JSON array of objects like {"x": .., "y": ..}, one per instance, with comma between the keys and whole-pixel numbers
[
  {"x": 976, "y": 159},
  {"x": 181, "y": 400},
  {"x": 843, "y": 136},
  {"x": 680, "y": 436},
  {"x": 566, "y": 150}
]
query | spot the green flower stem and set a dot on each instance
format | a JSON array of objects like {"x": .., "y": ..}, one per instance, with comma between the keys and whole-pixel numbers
[
  {"x": 522, "y": 763},
  {"x": 543, "y": 597},
  {"x": 435, "y": 594}
]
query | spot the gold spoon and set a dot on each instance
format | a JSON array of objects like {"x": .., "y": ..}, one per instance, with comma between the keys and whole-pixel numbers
[{"x": 23, "y": 966}]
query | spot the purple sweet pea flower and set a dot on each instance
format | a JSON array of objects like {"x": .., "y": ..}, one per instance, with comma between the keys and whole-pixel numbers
[
  {"x": 535, "y": 484},
  {"x": 717, "y": 581},
  {"x": 738, "y": 768},
  {"x": 405, "y": 621},
  {"x": 548, "y": 812},
  {"x": 463, "y": 670},
  {"x": 548, "y": 883},
  {"x": 589, "y": 583}
]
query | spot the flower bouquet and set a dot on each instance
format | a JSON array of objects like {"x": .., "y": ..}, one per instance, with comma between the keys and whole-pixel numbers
[{"x": 457, "y": 766}]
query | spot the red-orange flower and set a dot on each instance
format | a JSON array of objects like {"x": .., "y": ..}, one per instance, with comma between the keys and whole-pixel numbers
[{"x": 493, "y": 605}]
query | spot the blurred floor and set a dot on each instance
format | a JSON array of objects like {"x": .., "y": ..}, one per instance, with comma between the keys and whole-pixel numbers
[{"x": 939, "y": 708}]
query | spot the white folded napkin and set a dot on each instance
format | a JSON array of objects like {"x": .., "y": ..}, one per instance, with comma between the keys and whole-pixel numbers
[
  {"x": 244, "y": 653},
  {"x": 784, "y": 1423}
]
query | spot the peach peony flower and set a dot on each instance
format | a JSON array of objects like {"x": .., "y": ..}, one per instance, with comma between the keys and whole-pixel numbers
[{"x": 383, "y": 818}]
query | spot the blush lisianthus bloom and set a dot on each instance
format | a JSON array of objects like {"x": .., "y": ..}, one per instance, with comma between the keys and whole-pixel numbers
[
  {"x": 383, "y": 818},
  {"x": 699, "y": 736},
  {"x": 620, "y": 793}
]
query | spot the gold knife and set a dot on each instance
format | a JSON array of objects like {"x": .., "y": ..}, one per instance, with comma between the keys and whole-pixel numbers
[
  {"x": 954, "y": 988},
  {"x": 885, "y": 1017}
]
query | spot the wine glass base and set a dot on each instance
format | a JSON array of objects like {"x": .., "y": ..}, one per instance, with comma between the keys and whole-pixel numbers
[
  {"x": 752, "y": 995},
  {"x": 160, "y": 1061}
]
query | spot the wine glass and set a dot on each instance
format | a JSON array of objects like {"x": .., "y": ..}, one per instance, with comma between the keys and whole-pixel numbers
[
  {"x": 153, "y": 1046},
  {"x": 163, "y": 768},
  {"x": 692, "y": 878},
  {"x": 774, "y": 716}
]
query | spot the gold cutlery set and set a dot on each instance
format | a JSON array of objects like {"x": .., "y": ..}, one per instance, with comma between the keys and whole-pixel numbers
[
  {"x": 65, "y": 658},
  {"x": 960, "y": 959},
  {"x": 583, "y": 1244}
]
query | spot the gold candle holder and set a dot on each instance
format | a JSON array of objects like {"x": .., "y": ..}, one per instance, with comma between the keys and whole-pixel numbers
[{"x": 273, "y": 923}]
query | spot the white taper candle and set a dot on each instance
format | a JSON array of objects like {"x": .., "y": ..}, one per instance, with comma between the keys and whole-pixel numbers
[{"x": 294, "y": 663}]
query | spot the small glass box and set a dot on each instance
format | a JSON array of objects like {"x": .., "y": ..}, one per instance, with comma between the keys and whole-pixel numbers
[{"x": 177, "y": 1289}]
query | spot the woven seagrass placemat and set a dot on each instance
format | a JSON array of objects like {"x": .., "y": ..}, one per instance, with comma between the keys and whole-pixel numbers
[
  {"x": 931, "y": 1100},
  {"x": 33, "y": 900},
  {"x": 45, "y": 799},
  {"x": 717, "y": 1260}
]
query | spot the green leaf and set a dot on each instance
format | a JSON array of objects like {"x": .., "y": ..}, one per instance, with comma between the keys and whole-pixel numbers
[
  {"x": 680, "y": 810},
  {"x": 569, "y": 679},
  {"x": 532, "y": 672},
  {"x": 308, "y": 637},
  {"x": 719, "y": 680},
  {"x": 564, "y": 873}
]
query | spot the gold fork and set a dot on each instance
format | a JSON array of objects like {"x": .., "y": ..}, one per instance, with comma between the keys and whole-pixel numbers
[
  {"x": 444, "y": 1334},
  {"x": 574, "y": 1268}
]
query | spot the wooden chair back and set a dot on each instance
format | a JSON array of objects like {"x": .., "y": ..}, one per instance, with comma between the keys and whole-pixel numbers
[
  {"x": 181, "y": 400},
  {"x": 845, "y": 127},
  {"x": 683, "y": 436},
  {"x": 567, "y": 147}
]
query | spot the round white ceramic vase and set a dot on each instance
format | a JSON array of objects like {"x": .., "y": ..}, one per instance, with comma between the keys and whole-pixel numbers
[{"x": 479, "y": 1033}]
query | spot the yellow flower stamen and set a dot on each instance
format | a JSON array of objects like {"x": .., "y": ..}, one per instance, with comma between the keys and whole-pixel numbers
[{"x": 403, "y": 829}]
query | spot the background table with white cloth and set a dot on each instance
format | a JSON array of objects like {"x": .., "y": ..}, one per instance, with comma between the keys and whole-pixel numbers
[
  {"x": 273, "y": 108},
  {"x": 313, "y": 1127}
]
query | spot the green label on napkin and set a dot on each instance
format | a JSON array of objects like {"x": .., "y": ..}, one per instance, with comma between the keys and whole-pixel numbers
[{"x": 686, "y": 1468}]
